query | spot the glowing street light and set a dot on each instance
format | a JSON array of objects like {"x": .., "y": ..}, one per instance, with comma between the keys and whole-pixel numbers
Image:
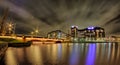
[
  {"x": 9, "y": 24},
  {"x": 10, "y": 27},
  {"x": 36, "y": 32},
  {"x": 32, "y": 33}
]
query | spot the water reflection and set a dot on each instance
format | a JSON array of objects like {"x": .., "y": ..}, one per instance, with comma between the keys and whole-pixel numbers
[
  {"x": 65, "y": 54},
  {"x": 74, "y": 55},
  {"x": 11, "y": 58},
  {"x": 91, "y": 54}
]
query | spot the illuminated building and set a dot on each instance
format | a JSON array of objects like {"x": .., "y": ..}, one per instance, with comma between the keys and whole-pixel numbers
[
  {"x": 74, "y": 31},
  {"x": 91, "y": 33},
  {"x": 58, "y": 34}
]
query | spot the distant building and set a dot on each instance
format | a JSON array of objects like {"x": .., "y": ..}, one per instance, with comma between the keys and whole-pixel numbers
[{"x": 58, "y": 34}]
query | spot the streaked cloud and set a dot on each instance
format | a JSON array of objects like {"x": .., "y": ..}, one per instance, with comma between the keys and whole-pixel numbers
[{"x": 50, "y": 15}]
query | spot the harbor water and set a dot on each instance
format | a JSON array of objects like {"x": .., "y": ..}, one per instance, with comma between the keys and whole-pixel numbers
[{"x": 64, "y": 54}]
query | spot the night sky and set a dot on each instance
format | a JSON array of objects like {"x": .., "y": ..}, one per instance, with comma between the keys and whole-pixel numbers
[{"x": 49, "y": 15}]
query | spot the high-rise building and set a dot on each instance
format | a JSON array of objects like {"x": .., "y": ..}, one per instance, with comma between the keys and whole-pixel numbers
[{"x": 74, "y": 31}]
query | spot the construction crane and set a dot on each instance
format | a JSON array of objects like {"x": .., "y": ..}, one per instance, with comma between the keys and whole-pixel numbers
[{"x": 2, "y": 22}]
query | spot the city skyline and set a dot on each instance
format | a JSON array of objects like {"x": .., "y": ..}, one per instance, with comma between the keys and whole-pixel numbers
[{"x": 51, "y": 15}]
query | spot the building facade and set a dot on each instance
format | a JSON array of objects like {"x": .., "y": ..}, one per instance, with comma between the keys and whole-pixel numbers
[
  {"x": 57, "y": 34},
  {"x": 74, "y": 31},
  {"x": 91, "y": 33}
]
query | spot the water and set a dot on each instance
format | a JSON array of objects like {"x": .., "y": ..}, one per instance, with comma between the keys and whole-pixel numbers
[{"x": 64, "y": 54}]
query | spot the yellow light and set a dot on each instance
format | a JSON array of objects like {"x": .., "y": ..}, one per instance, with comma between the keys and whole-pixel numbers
[
  {"x": 36, "y": 31},
  {"x": 10, "y": 25},
  {"x": 32, "y": 32}
]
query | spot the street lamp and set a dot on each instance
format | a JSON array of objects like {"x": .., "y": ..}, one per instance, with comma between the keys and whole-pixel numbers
[
  {"x": 36, "y": 32},
  {"x": 10, "y": 27},
  {"x": 32, "y": 33}
]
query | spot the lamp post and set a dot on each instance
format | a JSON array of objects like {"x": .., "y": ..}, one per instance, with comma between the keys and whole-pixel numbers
[
  {"x": 32, "y": 34},
  {"x": 36, "y": 32},
  {"x": 10, "y": 28}
]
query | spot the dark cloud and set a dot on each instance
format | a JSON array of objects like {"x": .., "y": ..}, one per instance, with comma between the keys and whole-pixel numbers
[
  {"x": 51, "y": 15},
  {"x": 116, "y": 19}
]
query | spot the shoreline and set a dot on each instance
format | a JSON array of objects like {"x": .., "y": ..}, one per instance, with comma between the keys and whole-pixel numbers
[{"x": 3, "y": 48}]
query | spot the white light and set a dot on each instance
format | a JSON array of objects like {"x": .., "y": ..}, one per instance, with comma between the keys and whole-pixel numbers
[
  {"x": 74, "y": 26},
  {"x": 36, "y": 31}
]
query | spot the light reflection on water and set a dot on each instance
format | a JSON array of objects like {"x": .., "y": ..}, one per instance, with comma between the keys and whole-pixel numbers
[
  {"x": 65, "y": 54},
  {"x": 91, "y": 54}
]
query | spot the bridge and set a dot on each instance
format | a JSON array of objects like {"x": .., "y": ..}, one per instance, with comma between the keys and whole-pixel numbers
[
  {"x": 34, "y": 39},
  {"x": 26, "y": 38}
]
